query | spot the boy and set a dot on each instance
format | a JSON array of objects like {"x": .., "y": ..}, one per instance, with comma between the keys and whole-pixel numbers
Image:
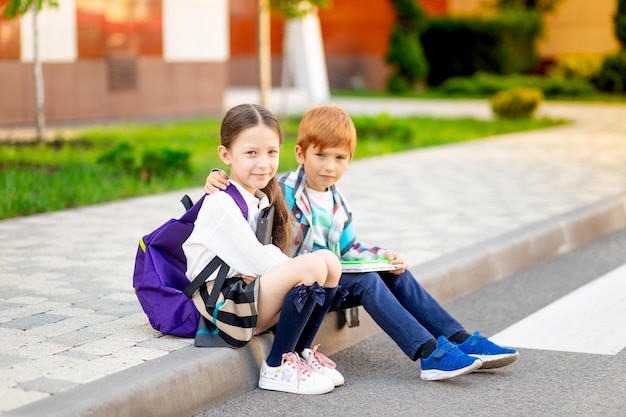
[{"x": 418, "y": 324}]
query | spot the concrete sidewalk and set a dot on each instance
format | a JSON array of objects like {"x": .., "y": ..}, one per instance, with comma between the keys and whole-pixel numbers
[{"x": 74, "y": 341}]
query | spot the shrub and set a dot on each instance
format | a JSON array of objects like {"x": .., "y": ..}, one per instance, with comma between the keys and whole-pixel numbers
[
  {"x": 516, "y": 103},
  {"x": 406, "y": 56},
  {"x": 578, "y": 66},
  {"x": 489, "y": 84},
  {"x": 619, "y": 22},
  {"x": 463, "y": 46},
  {"x": 164, "y": 162},
  {"x": 612, "y": 76},
  {"x": 121, "y": 158},
  {"x": 382, "y": 127}
]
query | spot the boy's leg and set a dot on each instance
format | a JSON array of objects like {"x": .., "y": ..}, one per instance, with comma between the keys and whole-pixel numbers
[
  {"x": 370, "y": 291},
  {"x": 421, "y": 305},
  {"x": 443, "y": 361},
  {"x": 438, "y": 321}
]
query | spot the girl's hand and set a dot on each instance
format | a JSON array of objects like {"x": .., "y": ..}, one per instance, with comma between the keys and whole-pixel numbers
[
  {"x": 217, "y": 180},
  {"x": 247, "y": 279},
  {"x": 396, "y": 259}
]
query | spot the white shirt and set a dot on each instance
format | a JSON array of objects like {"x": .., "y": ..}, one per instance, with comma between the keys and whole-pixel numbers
[
  {"x": 321, "y": 216},
  {"x": 221, "y": 230}
]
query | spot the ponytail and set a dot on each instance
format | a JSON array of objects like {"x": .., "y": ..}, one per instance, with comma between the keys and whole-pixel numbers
[{"x": 281, "y": 232}]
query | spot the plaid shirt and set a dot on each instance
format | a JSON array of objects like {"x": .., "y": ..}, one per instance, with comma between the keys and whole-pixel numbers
[{"x": 341, "y": 235}]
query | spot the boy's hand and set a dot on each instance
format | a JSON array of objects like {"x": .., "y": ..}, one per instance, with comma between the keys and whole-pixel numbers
[
  {"x": 217, "y": 180},
  {"x": 396, "y": 259}
]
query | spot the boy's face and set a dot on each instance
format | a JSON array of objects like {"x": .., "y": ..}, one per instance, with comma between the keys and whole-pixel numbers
[{"x": 323, "y": 168}]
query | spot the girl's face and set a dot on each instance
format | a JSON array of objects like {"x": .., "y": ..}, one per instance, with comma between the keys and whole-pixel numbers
[{"x": 252, "y": 157}]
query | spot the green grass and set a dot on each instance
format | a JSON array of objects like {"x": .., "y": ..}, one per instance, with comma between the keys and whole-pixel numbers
[
  {"x": 434, "y": 94},
  {"x": 66, "y": 173}
]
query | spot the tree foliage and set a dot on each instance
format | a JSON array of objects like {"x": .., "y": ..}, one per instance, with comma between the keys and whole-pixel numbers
[
  {"x": 15, "y": 8},
  {"x": 406, "y": 54},
  {"x": 539, "y": 5},
  {"x": 619, "y": 21},
  {"x": 296, "y": 8}
]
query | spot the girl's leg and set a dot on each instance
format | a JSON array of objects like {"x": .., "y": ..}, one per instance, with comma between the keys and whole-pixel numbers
[
  {"x": 321, "y": 267},
  {"x": 315, "y": 320},
  {"x": 318, "y": 361},
  {"x": 293, "y": 319},
  {"x": 283, "y": 371},
  {"x": 275, "y": 284}
]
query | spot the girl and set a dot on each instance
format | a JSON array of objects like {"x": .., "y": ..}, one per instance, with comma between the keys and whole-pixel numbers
[{"x": 264, "y": 287}]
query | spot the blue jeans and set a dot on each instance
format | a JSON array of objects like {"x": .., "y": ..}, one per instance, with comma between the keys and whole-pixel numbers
[{"x": 400, "y": 306}]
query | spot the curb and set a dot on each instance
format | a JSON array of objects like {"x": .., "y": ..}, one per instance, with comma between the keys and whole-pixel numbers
[{"x": 191, "y": 379}]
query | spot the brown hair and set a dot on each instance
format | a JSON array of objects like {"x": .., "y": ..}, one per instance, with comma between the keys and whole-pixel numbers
[
  {"x": 235, "y": 121},
  {"x": 327, "y": 127}
]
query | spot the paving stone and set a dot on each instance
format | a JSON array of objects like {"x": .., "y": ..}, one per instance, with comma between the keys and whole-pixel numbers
[
  {"x": 16, "y": 397},
  {"x": 77, "y": 338},
  {"x": 30, "y": 322},
  {"x": 46, "y": 385},
  {"x": 7, "y": 361}
]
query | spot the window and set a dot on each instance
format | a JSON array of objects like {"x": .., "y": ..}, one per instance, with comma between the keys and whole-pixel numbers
[
  {"x": 9, "y": 35},
  {"x": 128, "y": 27}
]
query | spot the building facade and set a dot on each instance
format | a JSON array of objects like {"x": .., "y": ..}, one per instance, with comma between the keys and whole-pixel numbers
[
  {"x": 135, "y": 59},
  {"x": 356, "y": 35},
  {"x": 117, "y": 59}
]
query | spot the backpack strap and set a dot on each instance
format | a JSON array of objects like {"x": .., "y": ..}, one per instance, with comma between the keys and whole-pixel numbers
[
  {"x": 236, "y": 195},
  {"x": 216, "y": 262},
  {"x": 197, "y": 282},
  {"x": 187, "y": 203}
]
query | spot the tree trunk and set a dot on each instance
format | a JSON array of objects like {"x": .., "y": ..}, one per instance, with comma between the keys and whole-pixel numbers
[
  {"x": 38, "y": 77},
  {"x": 264, "y": 51}
]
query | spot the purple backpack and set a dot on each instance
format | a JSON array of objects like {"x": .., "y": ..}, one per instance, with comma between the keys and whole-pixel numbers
[{"x": 163, "y": 289}]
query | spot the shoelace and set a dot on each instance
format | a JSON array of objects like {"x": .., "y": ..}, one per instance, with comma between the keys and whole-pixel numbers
[
  {"x": 323, "y": 360},
  {"x": 300, "y": 367}
]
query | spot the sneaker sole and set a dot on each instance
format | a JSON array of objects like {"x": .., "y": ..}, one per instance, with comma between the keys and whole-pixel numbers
[
  {"x": 338, "y": 380},
  {"x": 496, "y": 361},
  {"x": 438, "y": 375},
  {"x": 273, "y": 386}
]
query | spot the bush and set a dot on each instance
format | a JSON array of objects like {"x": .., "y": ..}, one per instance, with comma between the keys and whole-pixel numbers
[
  {"x": 121, "y": 158},
  {"x": 619, "y": 22},
  {"x": 463, "y": 46},
  {"x": 578, "y": 66},
  {"x": 489, "y": 84},
  {"x": 516, "y": 103},
  {"x": 383, "y": 127},
  {"x": 164, "y": 162},
  {"x": 612, "y": 76},
  {"x": 406, "y": 56}
]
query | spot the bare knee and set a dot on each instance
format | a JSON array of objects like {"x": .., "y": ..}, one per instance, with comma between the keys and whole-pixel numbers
[
  {"x": 333, "y": 267},
  {"x": 315, "y": 271}
]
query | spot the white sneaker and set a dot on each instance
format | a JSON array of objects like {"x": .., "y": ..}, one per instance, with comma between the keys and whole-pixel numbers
[
  {"x": 293, "y": 376},
  {"x": 321, "y": 364}
]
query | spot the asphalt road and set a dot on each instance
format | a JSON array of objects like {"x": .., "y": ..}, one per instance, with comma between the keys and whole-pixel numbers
[{"x": 381, "y": 381}]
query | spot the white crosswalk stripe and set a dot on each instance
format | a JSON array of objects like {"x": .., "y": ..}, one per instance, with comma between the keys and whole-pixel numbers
[{"x": 591, "y": 319}]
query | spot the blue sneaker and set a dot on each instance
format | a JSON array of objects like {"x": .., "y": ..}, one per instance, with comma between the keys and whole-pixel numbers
[
  {"x": 492, "y": 355},
  {"x": 447, "y": 361}
]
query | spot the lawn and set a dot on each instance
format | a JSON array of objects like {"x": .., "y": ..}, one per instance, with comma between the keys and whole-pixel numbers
[{"x": 102, "y": 164}]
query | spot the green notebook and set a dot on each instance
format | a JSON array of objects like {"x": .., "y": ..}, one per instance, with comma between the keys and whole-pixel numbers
[{"x": 367, "y": 266}]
